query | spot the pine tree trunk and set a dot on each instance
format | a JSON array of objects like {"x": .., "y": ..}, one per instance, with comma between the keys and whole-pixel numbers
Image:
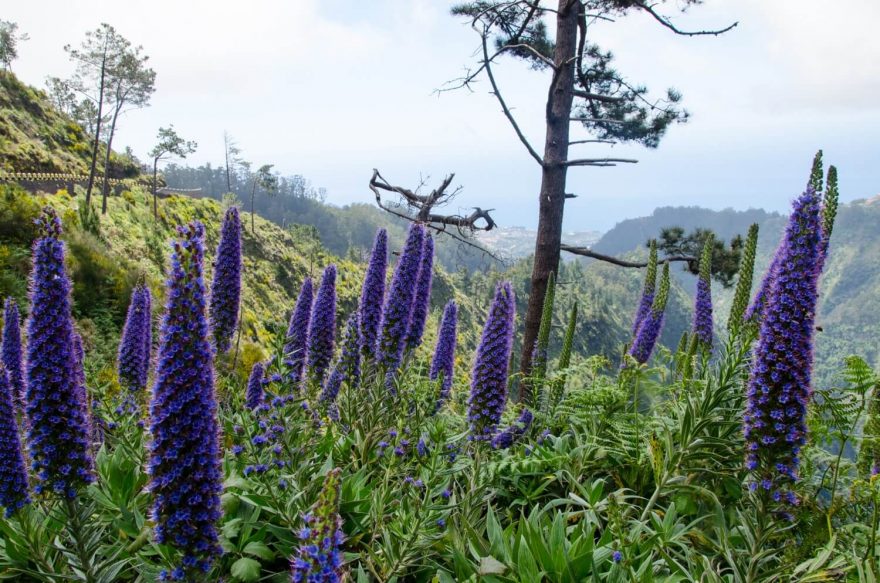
[
  {"x": 105, "y": 185},
  {"x": 97, "y": 141},
  {"x": 552, "y": 199},
  {"x": 155, "y": 194}
]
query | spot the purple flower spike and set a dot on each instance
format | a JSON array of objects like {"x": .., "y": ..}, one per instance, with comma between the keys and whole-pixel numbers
[
  {"x": 649, "y": 330},
  {"x": 13, "y": 476},
  {"x": 702, "y": 327},
  {"x": 650, "y": 286},
  {"x": 254, "y": 395},
  {"x": 59, "y": 433},
  {"x": 444, "y": 353},
  {"x": 398, "y": 304},
  {"x": 348, "y": 364},
  {"x": 489, "y": 378},
  {"x": 779, "y": 387},
  {"x": 422, "y": 299},
  {"x": 186, "y": 477},
  {"x": 11, "y": 352},
  {"x": 298, "y": 332},
  {"x": 373, "y": 294},
  {"x": 226, "y": 287},
  {"x": 134, "y": 348},
  {"x": 322, "y": 329},
  {"x": 319, "y": 558},
  {"x": 506, "y": 438}
]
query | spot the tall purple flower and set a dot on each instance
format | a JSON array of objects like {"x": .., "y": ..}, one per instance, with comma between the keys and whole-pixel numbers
[
  {"x": 702, "y": 328},
  {"x": 59, "y": 434},
  {"x": 422, "y": 300},
  {"x": 779, "y": 388},
  {"x": 648, "y": 289},
  {"x": 254, "y": 395},
  {"x": 11, "y": 352},
  {"x": 226, "y": 287},
  {"x": 649, "y": 329},
  {"x": 298, "y": 332},
  {"x": 373, "y": 294},
  {"x": 399, "y": 301},
  {"x": 186, "y": 477},
  {"x": 348, "y": 364},
  {"x": 443, "y": 364},
  {"x": 322, "y": 329},
  {"x": 319, "y": 558},
  {"x": 505, "y": 439},
  {"x": 134, "y": 348},
  {"x": 489, "y": 378},
  {"x": 13, "y": 475}
]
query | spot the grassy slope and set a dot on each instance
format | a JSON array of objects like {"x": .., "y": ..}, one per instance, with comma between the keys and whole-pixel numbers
[
  {"x": 131, "y": 245},
  {"x": 33, "y": 136}
]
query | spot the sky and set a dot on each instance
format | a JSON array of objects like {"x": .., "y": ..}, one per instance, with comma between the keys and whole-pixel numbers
[{"x": 331, "y": 89}]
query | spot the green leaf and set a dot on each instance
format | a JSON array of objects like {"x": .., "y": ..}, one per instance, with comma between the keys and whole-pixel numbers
[
  {"x": 259, "y": 549},
  {"x": 246, "y": 569}
]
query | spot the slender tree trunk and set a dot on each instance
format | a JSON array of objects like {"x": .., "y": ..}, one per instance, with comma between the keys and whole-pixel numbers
[
  {"x": 155, "y": 194},
  {"x": 228, "y": 180},
  {"x": 253, "y": 196},
  {"x": 553, "y": 175},
  {"x": 97, "y": 141},
  {"x": 105, "y": 185}
]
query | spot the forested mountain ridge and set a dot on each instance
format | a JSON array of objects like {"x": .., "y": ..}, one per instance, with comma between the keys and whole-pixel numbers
[{"x": 849, "y": 288}]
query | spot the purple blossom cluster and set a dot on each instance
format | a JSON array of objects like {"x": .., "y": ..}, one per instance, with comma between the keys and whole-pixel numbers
[
  {"x": 702, "y": 326},
  {"x": 651, "y": 326},
  {"x": 226, "y": 287},
  {"x": 59, "y": 433},
  {"x": 322, "y": 329},
  {"x": 348, "y": 364},
  {"x": 779, "y": 387},
  {"x": 443, "y": 364},
  {"x": 505, "y": 439},
  {"x": 13, "y": 475},
  {"x": 489, "y": 378},
  {"x": 10, "y": 355},
  {"x": 254, "y": 394},
  {"x": 422, "y": 299},
  {"x": 398, "y": 303},
  {"x": 373, "y": 295},
  {"x": 648, "y": 290},
  {"x": 298, "y": 332},
  {"x": 186, "y": 477},
  {"x": 133, "y": 362},
  {"x": 319, "y": 557}
]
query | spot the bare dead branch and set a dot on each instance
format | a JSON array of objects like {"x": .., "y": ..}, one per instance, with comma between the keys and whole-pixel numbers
[
  {"x": 600, "y": 161},
  {"x": 596, "y": 96},
  {"x": 421, "y": 207},
  {"x": 597, "y": 120},
  {"x": 487, "y": 65},
  {"x": 587, "y": 252},
  {"x": 572, "y": 143},
  {"x": 665, "y": 22}
]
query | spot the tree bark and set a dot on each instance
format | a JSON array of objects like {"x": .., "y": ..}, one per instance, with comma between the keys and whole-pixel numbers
[
  {"x": 553, "y": 176},
  {"x": 97, "y": 141},
  {"x": 155, "y": 194},
  {"x": 104, "y": 186},
  {"x": 253, "y": 196}
]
